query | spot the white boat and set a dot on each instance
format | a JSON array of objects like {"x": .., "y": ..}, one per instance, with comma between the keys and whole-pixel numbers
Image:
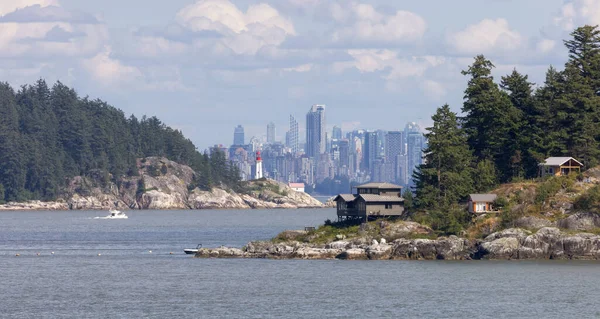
[
  {"x": 190, "y": 251},
  {"x": 114, "y": 214}
]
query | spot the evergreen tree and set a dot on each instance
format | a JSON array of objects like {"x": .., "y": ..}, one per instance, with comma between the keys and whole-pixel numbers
[
  {"x": 577, "y": 116},
  {"x": 491, "y": 121},
  {"x": 446, "y": 176}
]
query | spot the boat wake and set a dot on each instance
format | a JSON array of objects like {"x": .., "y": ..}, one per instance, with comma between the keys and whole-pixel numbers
[{"x": 114, "y": 214}]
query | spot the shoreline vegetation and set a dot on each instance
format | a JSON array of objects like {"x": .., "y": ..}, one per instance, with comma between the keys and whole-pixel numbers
[
  {"x": 553, "y": 218},
  {"x": 495, "y": 146}
]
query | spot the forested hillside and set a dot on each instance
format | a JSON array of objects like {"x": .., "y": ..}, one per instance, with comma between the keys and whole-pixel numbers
[
  {"x": 49, "y": 135},
  {"x": 507, "y": 128}
]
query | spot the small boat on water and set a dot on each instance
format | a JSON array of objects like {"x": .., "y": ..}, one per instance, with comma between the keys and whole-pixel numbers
[
  {"x": 190, "y": 251},
  {"x": 114, "y": 214}
]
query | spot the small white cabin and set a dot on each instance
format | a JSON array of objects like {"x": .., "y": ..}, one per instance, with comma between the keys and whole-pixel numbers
[{"x": 298, "y": 187}]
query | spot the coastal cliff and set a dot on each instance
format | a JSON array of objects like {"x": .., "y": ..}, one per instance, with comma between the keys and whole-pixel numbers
[{"x": 164, "y": 184}]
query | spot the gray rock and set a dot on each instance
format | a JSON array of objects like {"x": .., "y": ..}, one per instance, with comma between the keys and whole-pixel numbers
[
  {"x": 580, "y": 221},
  {"x": 531, "y": 222}
]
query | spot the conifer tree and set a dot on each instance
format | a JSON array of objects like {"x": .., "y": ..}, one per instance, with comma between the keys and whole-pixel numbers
[{"x": 446, "y": 176}]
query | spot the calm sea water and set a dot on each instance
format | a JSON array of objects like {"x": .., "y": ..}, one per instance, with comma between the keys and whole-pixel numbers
[{"x": 129, "y": 281}]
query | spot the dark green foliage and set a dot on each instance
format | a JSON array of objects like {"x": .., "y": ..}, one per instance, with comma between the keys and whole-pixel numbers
[
  {"x": 451, "y": 220},
  {"x": 50, "y": 135},
  {"x": 447, "y": 175},
  {"x": 409, "y": 200},
  {"x": 551, "y": 186},
  {"x": 588, "y": 201}
]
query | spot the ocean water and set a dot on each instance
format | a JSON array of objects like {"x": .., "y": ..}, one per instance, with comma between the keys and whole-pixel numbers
[{"x": 136, "y": 276}]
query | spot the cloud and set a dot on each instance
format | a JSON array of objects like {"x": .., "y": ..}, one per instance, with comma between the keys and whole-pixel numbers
[
  {"x": 484, "y": 37},
  {"x": 109, "y": 71},
  {"x": 243, "y": 33},
  {"x": 363, "y": 24},
  {"x": 576, "y": 13},
  {"x": 9, "y": 6},
  {"x": 38, "y": 13}
]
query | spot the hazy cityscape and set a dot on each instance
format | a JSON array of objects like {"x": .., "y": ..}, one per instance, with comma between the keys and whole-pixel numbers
[{"x": 320, "y": 155}]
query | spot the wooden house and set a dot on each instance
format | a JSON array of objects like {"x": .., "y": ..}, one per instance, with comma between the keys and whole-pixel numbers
[
  {"x": 371, "y": 200},
  {"x": 559, "y": 166},
  {"x": 482, "y": 203}
]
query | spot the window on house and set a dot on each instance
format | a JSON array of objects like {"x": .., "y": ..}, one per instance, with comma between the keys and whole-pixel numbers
[{"x": 389, "y": 206}]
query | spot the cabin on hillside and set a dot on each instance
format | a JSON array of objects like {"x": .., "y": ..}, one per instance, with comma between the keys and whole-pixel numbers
[
  {"x": 371, "y": 200},
  {"x": 559, "y": 166},
  {"x": 482, "y": 203},
  {"x": 298, "y": 187}
]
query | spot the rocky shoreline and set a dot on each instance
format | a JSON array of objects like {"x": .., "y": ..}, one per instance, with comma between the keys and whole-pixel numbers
[
  {"x": 172, "y": 189},
  {"x": 509, "y": 244}
]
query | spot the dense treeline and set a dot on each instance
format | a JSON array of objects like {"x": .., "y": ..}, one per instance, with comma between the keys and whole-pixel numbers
[
  {"x": 509, "y": 127},
  {"x": 49, "y": 135}
]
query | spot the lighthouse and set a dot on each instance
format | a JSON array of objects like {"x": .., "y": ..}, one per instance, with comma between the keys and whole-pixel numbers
[{"x": 258, "y": 171}]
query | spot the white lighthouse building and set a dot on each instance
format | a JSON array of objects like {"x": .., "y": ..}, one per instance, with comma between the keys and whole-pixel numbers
[{"x": 258, "y": 172}]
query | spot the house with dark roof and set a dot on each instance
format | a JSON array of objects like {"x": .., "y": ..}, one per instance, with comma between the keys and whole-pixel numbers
[
  {"x": 559, "y": 166},
  {"x": 482, "y": 203},
  {"x": 371, "y": 200}
]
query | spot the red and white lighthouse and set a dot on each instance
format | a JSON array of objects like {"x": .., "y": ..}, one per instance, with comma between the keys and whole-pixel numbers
[{"x": 258, "y": 171}]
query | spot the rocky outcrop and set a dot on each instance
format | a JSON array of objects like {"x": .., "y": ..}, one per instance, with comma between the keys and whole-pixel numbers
[
  {"x": 514, "y": 243},
  {"x": 580, "y": 221},
  {"x": 164, "y": 184}
]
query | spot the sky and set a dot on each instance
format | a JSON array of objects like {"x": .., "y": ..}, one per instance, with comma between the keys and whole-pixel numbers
[{"x": 205, "y": 66}]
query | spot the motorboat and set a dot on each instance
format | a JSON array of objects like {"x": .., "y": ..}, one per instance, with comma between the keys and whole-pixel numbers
[
  {"x": 190, "y": 251},
  {"x": 114, "y": 214}
]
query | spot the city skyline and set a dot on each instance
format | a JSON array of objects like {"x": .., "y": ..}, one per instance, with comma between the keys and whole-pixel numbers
[{"x": 356, "y": 156}]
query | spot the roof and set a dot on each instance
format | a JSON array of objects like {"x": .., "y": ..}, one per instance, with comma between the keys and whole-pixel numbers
[
  {"x": 379, "y": 185},
  {"x": 345, "y": 197},
  {"x": 296, "y": 185},
  {"x": 558, "y": 161},
  {"x": 483, "y": 197},
  {"x": 381, "y": 199}
]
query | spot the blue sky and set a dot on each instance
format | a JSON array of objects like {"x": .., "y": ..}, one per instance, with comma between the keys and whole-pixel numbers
[{"x": 205, "y": 66}]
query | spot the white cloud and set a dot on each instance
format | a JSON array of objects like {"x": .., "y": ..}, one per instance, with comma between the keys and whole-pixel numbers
[
  {"x": 367, "y": 25},
  {"x": 41, "y": 30},
  {"x": 244, "y": 33},
  {"x": 109, "y": 71},
  {"x": 576, "y": 13},
  {"x": 485, "y": 36},
  {"x": 8, "y": 6}
]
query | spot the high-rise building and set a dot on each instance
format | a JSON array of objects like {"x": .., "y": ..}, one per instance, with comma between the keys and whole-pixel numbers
[
  {"x": 271, "y": 133},
  {"x": 344, "y": 148},
  {"x": 316, "y": 142},
  {"x": 401, "y": 170},
  {"x": 238, "y": 135},
  {"x": 369, "y": 151},
  {"x": 293, "y": 136},
  {"x": 337, "y": 133},
  {"x": 394, "y": 146},
  {"x": 414, "y": 152}
]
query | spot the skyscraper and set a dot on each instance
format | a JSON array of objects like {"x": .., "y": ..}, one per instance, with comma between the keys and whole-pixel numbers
[
  {"x": 238, "y": 135},
  {"x": 394, "y": 146},
  {"x": 369, "y": 151},
  {"x": 271, "y": 133},
  {"x": 316, "y": 142},
  {"x": 293, "y": 135},
  {"x": 414, "y": 152},
  {"x": 337, "y": 133}
]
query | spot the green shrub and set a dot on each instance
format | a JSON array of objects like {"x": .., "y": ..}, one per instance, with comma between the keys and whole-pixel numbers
[
  {"x": 552, "y": 186},
  {"x": 589, "y": 200}
]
